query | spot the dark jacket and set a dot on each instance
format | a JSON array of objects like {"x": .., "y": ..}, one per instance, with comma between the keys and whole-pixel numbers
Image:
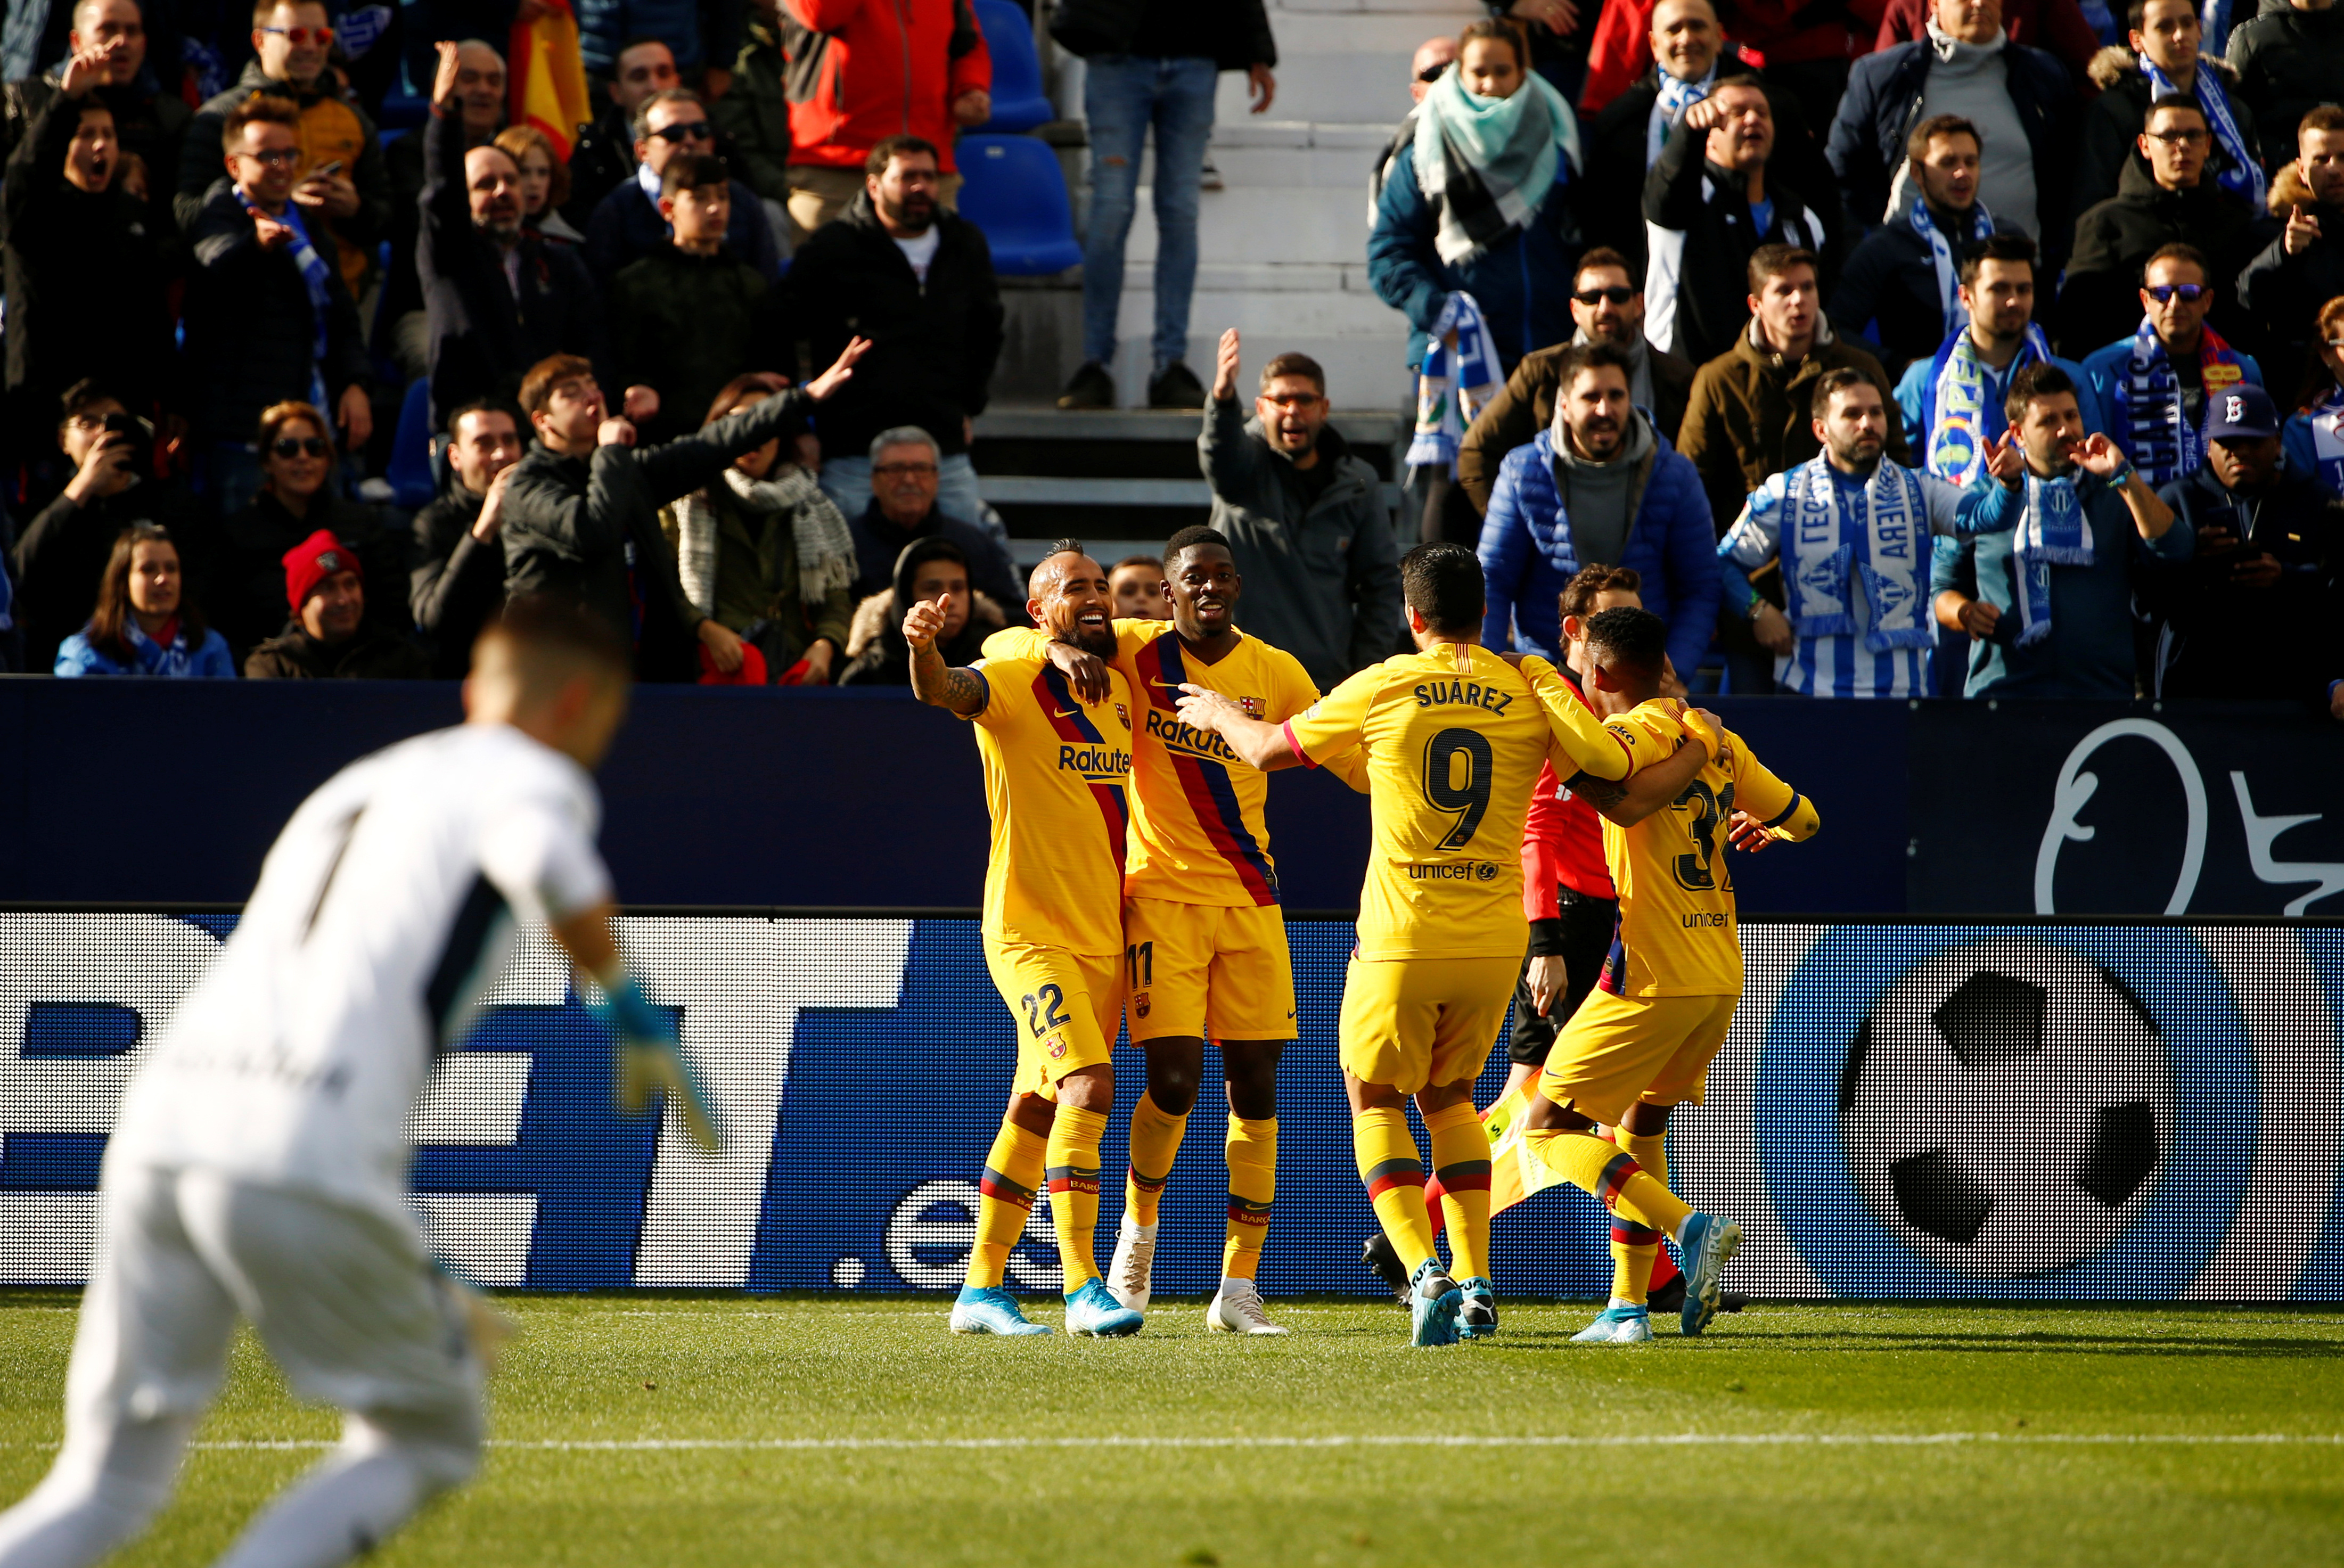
[
  {"x": 626, "y": 226},
  {"x": 878, "y": 544},
  {"x": 373, "y": 654},
  {"x": 85, "y": 278},
  {"x": 2288, "y": 63},
  {"x": 2113, "y": 120},
  {"x": 150, "y": 124},
  {"x": 249, "y": 337},
  {"x": 2231, "y": 642},
  {"x": 1610, "y": 200},
  {"x": 687, "y": 325},
  {"x": 333, "y": 126},
  {"x": 600, "y": 160},
  {"x": 571, "y": 524},
  {"x": 2099, "y": 299},
  {"x": 2055, "y": 27},
  {"x": 1525, "y": 405},
  {"x": 1748, "y": 418},
  {"x": 1522, "y": 282},
  {"x": 1707, "y": 226},
  {"x": 876, "y": 653},
  {"x": 1887, "y": 293},
  {"x": 1883, "y": 103},
  {"x": 457, "y": 582},
  {"x": 1239, "y": 30},
  {"x": 757, "y": 588},
  {"x": 754, "y": 113},
  {"x": 697, "y": 31},
  {"x": 933, "y": 348},
  {"x": 62, "y": 552},
  {"x": 1322, "y": 574},
  {"x": 483, "y": 340},
  {"x": 2283, "y": 293},
  {"x": 246, "y": 600}
]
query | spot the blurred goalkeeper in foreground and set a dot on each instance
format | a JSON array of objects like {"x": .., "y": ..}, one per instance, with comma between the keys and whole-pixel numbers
[{"x": 259, "y": 1168}]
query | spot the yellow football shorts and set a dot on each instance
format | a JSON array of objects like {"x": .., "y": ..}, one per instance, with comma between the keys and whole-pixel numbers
[
  {"x": 1067, "y": 1006},
  {"x": 1201, "y": 970},
  {"x": 1617, "y": 1050},
  {"x": 1409, "y": 1022}
]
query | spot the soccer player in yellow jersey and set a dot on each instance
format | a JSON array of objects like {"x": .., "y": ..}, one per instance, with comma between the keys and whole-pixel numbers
[
  {"x": 1203, "y": 938},
  {"x": 1453, "y": 737},
  {"x": 1644, "y": 1041},
  {"x": 1055, "y": 771}
]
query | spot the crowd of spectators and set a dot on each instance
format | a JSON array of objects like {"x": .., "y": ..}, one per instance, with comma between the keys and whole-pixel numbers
[{"x": 1746, "y": 298}]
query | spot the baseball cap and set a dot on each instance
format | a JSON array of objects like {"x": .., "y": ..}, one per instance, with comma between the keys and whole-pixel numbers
[
  {"x": 314, "y": 560},
  {"x": 2244, "y": 411}
]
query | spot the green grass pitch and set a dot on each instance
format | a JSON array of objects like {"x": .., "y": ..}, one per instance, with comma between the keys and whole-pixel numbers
[{"x": 682, "y": 1430}]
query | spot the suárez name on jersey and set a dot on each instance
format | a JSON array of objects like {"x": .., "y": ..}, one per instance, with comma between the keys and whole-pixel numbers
[
  {"x": 1180, "y": 737},
  {"x": 1094, "y": 761},
  {"x": 1465, "y": 694}
]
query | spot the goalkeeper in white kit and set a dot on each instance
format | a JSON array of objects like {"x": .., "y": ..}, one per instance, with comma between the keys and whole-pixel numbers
[{"x": 259, "y": 1167}]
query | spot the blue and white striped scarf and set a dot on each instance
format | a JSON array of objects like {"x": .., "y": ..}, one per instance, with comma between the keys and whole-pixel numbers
[
  {"x": 316, "y": 277},
  {"x": 2326, "y": 418},
  {"x": 1676, "y": 97},
  {"x": 1452, "y": 386},
  {"x": 1962, "y": 402},
  {"x": 1830, "y": 557},
  {"x": 2054, "y": 533},
  {"x": 1942, "y": 257},
  {"x": 2242, "y": 172}
]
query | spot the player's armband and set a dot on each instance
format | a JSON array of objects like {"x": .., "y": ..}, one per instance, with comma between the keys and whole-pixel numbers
[{"x": 1796, "y": 822}]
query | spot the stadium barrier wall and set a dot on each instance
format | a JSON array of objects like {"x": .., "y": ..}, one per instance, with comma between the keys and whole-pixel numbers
[{"x": 2146, "y": 1112}]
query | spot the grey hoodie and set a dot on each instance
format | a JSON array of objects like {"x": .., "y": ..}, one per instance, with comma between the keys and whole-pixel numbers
[{"x": 1601, "y": 498}]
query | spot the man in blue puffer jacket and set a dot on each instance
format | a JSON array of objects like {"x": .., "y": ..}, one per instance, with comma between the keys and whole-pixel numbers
[{"x": 1601, "y": 488}]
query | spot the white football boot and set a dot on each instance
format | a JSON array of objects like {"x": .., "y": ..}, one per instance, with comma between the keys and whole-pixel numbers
[
  {"x": 1236, "y": 1309},
  {"x": 1130, "y": 1271}
]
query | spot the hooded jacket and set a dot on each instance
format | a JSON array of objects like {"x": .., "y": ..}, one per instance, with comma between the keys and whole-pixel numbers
[
  {"x": 859, "y": 73},
  {"x": 2099, "y": 299},
  {"x": 2288, "y": 63},
  {"x": 876, "y": 653},
  {"x": 1748, "y": 416},
  {"x": 934, "y": 344},
  {"x": 1525, "y": 406},
  {"x": 1528, "y": 550},
  {"x": 2115, "y": 119},
  {"x": 1322, "y": 574}
]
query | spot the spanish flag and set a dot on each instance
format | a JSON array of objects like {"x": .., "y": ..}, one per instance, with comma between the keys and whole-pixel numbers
[{"x": 549, "y": 76}]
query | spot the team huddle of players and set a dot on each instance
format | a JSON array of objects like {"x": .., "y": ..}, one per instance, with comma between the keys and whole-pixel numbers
[{"x": 1130, "y": 882}]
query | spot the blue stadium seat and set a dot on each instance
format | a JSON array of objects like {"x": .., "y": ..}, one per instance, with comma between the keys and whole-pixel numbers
[
  {"x": 411, "y": 449},
  {"x": 1018, "y": 101},
  {"x": 1017, "y": 192}
]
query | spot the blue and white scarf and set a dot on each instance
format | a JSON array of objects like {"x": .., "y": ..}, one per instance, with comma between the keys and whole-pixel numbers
[
  {"x": 2162, "y": 441},
  {"x": 2054, "y": 533},
  {"x": 2215, "y": 19},
  {"x": 1962, "y": 402},
  {"x": 1453, "y": 385},
  {"x": 2242, "y": 172},
  {"x": 315, "y": 277},
  {"x": 2327, "y": 418},
  {"x": 1942, "y": 257},
  {"x": 1884, "y": 554},
  {"x": 1676, "y": 97}
]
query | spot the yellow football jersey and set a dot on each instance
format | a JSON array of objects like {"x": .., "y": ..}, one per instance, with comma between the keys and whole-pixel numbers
[
  {"x": 1677, "y": 933},
  {"x": 1454, "y": 738},
  {"x": 1054, "y": 773},
  {"x": 1197, "y": 835}
]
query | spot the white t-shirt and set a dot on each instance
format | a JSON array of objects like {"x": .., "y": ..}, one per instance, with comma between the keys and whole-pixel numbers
[
  {"x": 385, "y": 911},
  {"x": 921, "y": 252}
]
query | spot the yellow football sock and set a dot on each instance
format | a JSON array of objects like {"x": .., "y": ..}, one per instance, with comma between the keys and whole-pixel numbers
[
  {"x": 1636, "y": 1247},
  {"x": 1612, "y": 1174},
  {"x": 1253, "y": 1185},
  {"x": 1460, "y": 1159},
  {"x": 1072, "y": 1162},
  {"x": 1011, "y": 1171},
  {"x": 1156, "y": 1136},
  {"x": 1395, "y": 1177}
]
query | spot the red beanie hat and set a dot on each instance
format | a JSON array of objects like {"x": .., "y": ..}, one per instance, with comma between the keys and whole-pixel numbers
[{"x": 314, "y": 560}]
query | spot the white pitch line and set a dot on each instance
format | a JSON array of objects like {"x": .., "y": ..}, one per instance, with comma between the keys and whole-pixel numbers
[{"x": 1365, "y": 1441}]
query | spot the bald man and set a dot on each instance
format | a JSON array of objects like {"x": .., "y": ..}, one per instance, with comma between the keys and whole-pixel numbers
[{"x": 1432, "y": 56}]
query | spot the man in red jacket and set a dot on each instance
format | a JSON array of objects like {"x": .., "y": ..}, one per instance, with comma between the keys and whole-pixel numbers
[{"x": 868, "y": 70}]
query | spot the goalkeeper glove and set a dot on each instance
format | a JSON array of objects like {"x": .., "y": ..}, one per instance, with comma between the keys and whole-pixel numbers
[{"x": 649, "y": 1059}]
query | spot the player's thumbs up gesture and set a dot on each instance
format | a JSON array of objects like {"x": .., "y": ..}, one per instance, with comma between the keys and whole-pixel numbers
[
  {"x": 925, "y": 621},
  {"x": 2006, "y": 459}
]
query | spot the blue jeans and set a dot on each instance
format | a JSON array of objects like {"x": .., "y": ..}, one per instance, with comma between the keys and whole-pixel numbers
[{"x": 1122, "y": 96}]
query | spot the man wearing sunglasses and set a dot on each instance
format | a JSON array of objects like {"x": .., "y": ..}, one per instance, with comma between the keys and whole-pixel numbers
[
  {"x": 292, "y": 41},
  {"x": 627, "y": 226},
  {"x": 2166, "y": 195},
  {"x": 2150, "y": 390}
]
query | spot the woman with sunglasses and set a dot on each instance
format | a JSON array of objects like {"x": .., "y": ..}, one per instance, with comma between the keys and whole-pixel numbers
[
  {"x": 145, "y": 621},
  {"x": 2314, "y": 434},
  {"x": 298, "y": 496}
]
